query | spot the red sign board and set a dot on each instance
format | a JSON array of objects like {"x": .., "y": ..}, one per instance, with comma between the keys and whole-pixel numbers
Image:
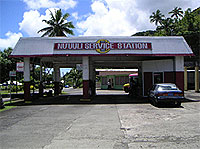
[
  {"x": 103, "y": 44},
  {"x": 20, "y": 67},
  {"x": 12, "y": 73}
]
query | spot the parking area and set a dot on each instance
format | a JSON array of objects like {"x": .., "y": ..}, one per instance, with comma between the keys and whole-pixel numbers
[{"x": 135, "y": 125}]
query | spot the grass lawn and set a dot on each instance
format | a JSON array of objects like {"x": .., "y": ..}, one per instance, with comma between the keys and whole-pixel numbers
[
  {"x": 8, "y": 92},
  {"x": 7, "y": 108}
]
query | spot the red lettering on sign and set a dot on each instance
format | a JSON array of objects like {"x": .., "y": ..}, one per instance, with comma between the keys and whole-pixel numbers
[{"x": 110, "y": 45}]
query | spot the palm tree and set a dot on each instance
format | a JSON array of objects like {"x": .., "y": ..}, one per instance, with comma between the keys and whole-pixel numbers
[
  {"x": 58, "y": 25},
  {"x": 167, "y": 25},
  {"x": 76, "y": 77},
  {"x": 176, "y": 12},
  {"x": 156, "y": 17}
]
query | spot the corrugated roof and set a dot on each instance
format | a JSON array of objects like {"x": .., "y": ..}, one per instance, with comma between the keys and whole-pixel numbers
[{"x": 44, "y": 46}]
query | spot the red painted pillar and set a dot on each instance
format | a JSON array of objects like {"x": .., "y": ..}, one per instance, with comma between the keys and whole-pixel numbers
[
  {"x": 86, "y": 94},
  {"x": 180, "y": 80},
  {"x": 27, "y": 95},
  {"x": 148, "y": 82},
  {"x": 179, "y": 72},
  {"x": 86, "y": 82}
]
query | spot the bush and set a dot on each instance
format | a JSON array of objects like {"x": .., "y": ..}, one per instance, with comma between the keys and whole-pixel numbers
[{"x": 17, "y": 88}]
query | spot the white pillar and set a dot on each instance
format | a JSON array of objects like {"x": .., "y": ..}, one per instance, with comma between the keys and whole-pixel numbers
[
  {"x": 86, "y": 68},
  {"x": 26, "y": 69},
  {"x": 41, "y": 87},
  {"x": 179, "y": 63},
  {"x": 185, "y": 79},
  {"x": 179, "y": 71},
  {"x": 56, "y": 73},
  {"x": 56, "y": 80},
  {"x": 86, "y": 75},
  {"x": 92, "y": 78},
  {"x": 27, "y": 95},
  {"x": 41, "y": 71},
  {"x": 197, "y": 79}
]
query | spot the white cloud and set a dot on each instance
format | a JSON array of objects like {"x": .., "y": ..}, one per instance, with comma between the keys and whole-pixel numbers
[
  {"x": 114, "y": 18},
  {"x": 32, "y": 22},
  {"x": 63, "y": 4},
  {"x": 120, "y": 17},
  {"x": 75, "y": 15},
  {"x": 10, "y": 41}
]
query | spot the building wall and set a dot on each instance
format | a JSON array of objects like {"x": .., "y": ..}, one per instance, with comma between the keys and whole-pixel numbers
[
  {"x": 170, "y": 71},
  {"x": 115, "y": 85},
  {"x": 105, "y": 73}
]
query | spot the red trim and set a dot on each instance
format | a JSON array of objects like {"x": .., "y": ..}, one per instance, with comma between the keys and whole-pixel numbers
[
  {"x": 27, "y": 94},
  {"x": 169, "y": 77},
  {"x": 148, "y": 82},
  {"x": 86, "y": 89},
  {"x": 51, "y": 55},
  {"x": 180, "y": 80}
]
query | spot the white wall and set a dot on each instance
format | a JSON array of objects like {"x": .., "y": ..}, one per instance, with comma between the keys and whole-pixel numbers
[
  {"x": 157, "y": 65},
  {"x": 179, "y": 63}
]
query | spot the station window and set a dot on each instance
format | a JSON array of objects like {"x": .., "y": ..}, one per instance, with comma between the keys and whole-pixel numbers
[
  {"x": 158, "y": 77},
  {"x": 104, "y": 80},
  {"x": 121, "y": 80}
]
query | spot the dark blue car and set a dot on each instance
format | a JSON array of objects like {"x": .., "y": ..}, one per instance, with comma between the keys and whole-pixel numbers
[{"x": 165, "y": 93}]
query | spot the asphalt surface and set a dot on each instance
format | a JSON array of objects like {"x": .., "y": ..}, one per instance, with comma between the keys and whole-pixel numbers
[{"x": 106, "y": 126}]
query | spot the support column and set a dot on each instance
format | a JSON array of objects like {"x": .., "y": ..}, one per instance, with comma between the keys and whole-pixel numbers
[
  {"x": 179, "y": 72},
  {"x": 86, "y": 73},
  {"x": 56, "y": 80},
  {"x": 27, "y": 95},
  {"x": 197, "y": 79},
  {"x": 185, "y": 79},
  {"x": 92, "y": 78},
  {"x": 41, "y": 87}
]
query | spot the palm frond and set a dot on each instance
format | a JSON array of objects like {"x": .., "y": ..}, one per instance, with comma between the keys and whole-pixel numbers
[
  {"x": 46, "y": 33},
  {"x": 44, "y": 29},
  {"x": 57, "y": 25}
]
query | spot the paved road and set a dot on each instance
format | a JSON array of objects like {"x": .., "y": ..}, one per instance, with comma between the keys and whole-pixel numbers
[
  {"x": 106, "y": 126},
  {"x": 79, "y": 91}
]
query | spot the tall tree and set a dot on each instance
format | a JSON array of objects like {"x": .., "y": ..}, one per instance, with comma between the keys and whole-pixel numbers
[
  {"x": 76, "y": 77},
  {"x": 58, "y": 25},
  {"x": 6, "y": 64},
  {"x": 156, "y": 17},
  {"x": 167, "y": 25},
  {"x": 176, "y": 12}
]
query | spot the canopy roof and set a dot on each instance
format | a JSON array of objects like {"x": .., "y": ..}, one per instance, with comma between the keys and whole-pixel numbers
[{"x": 101, "y": 45}]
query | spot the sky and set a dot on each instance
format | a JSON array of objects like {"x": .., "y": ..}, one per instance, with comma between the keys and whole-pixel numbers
[{"x": 23, "y": 18}]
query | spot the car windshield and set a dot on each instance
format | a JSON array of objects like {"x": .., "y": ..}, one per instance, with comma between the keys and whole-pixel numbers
[{"x": 167, "y": 87}]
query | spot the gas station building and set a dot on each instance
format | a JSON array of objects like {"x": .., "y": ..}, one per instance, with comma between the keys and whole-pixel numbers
[{"x": 158, "y": 59}]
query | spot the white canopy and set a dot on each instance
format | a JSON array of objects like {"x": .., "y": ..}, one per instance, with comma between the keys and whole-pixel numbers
[{"x": 101, "y": 45}]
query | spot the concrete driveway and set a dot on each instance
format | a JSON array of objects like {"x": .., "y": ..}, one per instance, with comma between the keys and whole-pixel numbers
[{"x": 106, "y": 126}]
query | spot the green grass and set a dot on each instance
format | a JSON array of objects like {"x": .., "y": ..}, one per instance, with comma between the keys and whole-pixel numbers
[
  {"x": 7, "y": 108},
  {"x": 8, "y": 92},
  {"x": 64, "y": 93}
]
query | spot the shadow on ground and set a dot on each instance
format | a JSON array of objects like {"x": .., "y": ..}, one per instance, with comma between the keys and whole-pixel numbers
[{"x": 75, "y": 99}]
